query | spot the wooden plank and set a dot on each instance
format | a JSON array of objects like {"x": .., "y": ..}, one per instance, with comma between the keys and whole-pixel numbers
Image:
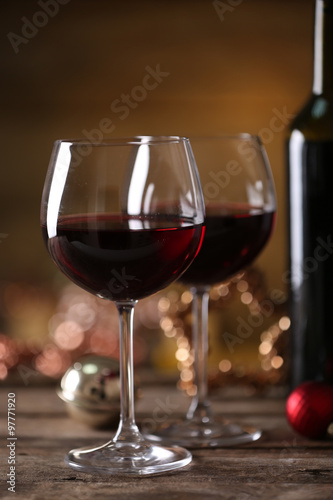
[
  {"x": 45, "y": 400},
  {"x": 281, "y": 465}
]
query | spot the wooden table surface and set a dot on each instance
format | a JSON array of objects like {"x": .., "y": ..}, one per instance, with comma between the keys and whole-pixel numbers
[{"x": 281, "y": 465}]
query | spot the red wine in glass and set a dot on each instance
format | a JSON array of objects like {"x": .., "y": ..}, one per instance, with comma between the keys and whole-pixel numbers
[
  {"x": 231, "y": 242},
  {"x": 122, "y": 257}
]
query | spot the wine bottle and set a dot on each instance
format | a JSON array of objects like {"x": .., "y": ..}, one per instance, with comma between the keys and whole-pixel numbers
[{"x": 310, "y": 215}]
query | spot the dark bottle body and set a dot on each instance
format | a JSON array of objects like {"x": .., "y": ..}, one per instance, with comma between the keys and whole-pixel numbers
[
  {"x": 310, "y": 211},
  {"x": 310, "y": 277}
]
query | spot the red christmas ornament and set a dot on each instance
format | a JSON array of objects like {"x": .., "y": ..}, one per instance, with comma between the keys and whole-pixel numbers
[{"x": 309, "y": 409}]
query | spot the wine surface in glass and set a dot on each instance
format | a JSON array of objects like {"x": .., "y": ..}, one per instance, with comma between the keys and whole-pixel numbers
[
  {"x": 123, "y": 257},
  {"x": 231, "y": 242}
]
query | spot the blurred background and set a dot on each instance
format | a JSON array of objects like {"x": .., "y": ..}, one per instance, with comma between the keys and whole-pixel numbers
[{"x": 75, "y": 68}]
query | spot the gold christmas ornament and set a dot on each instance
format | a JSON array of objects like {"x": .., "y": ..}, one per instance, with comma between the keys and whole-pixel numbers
[{"x": 91, "y": 390}]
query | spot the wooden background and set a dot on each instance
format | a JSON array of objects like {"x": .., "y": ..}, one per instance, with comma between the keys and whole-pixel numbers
[
  {"x": 231, "y": 68},
  {"x": 228, "y": 66}
]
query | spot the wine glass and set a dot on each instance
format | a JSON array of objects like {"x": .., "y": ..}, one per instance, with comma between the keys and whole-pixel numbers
[
  {"x": 240, "y": 213},
  {"x": 123, "y": 219}
]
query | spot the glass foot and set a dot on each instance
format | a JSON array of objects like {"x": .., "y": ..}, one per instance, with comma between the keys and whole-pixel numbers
[
  {"x": 128, "y": 458},
  {"x": 208, "y": 433}
]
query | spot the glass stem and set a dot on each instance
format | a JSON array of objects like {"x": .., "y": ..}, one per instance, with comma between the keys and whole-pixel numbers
[
  {"x": 200, "y": 406},
  {"x": 127, "y": 430}
]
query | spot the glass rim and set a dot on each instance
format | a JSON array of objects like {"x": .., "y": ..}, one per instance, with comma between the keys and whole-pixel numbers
[
  {"x": 240, "y": 136},
  {"x": 123, "y": 141}
]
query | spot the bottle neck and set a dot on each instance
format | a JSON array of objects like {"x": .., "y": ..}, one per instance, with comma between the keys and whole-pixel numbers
[{"x": 323, "y": 48}]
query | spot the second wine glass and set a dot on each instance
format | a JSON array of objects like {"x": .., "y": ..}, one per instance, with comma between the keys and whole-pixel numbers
[{"x": 240, "y": 214}]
